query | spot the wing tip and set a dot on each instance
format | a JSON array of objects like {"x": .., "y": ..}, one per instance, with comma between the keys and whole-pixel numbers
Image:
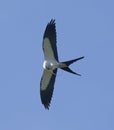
[
  {"x": 46, "y": 106},
  {"x": 46, "y": 100},
  {"x": 52, "y": 21}
]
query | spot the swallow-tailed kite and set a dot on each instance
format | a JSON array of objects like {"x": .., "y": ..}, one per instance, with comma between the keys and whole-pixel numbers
[{"x": 51, "y": 64}]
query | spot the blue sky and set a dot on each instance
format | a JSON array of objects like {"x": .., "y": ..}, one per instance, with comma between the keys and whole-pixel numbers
[{"x": 84, "y": 28}]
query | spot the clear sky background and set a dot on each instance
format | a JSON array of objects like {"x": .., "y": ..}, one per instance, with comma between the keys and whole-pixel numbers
[{"x": 84, "y": 28}]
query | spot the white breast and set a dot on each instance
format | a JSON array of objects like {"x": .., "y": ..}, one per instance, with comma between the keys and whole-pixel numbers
[{"x": 50, "y": 64}]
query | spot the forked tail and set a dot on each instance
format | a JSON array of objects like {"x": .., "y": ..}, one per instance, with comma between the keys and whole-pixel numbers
[{"x": 68, "y": 63}]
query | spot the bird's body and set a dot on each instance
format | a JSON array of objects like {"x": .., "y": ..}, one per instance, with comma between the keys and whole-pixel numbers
[{"x": 51, "y": 64}]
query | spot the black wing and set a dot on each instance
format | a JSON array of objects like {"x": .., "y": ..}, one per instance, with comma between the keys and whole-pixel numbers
[
  {"x": 49, "y": 42},
  {"x": 47, "y": 87}
]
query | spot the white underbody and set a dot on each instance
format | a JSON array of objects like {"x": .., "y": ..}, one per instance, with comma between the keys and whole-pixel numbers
[{"x": 52, "y": 64}]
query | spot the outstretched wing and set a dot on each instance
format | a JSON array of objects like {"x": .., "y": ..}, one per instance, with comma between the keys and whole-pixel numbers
[
  {"x": 49, "y": 42},
  {"x": 47, "y": 87}
]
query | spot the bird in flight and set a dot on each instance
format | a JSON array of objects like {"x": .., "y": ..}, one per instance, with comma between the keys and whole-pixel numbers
[{"x": 51, "y": 64}]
